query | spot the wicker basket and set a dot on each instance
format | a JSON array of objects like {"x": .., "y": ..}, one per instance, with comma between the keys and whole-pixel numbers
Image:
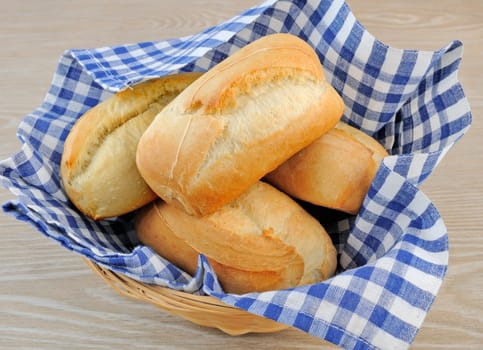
[{"x": 202, "y": 310}]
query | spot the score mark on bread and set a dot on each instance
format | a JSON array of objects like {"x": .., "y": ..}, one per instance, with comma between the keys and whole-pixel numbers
[
  {"x": 261, "y": 241},
  {"x": 239, "y": 121},
  {"x": 98, "y": 167}
]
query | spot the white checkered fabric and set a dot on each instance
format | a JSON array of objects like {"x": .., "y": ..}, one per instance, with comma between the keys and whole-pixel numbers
[{"x": 393, "y": 254}]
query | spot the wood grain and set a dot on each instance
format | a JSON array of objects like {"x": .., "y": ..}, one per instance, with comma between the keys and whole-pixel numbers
[{"x": 50, "y": 300}]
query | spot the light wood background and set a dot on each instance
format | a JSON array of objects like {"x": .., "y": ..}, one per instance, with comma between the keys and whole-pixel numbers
[{"x": 50, "y": 300}]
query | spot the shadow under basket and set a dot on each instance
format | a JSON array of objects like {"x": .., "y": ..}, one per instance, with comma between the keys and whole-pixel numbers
[{"x": 201, "y": 310}]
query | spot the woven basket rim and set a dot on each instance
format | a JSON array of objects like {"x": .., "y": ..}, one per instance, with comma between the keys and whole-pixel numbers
[{"x": 199, "y": 309}]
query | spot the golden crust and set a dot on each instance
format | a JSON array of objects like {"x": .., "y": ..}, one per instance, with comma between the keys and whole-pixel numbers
[
  {"x": 268, "y": 58},
  {"x": 335, "y": 171},
  {"x": 98, "y": 168},
  {"x": 261, "y": 241},
  {"x": 236, "y": 123}
]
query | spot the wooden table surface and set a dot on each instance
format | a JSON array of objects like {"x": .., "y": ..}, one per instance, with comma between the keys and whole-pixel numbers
[{"x": 50, "y": 300}]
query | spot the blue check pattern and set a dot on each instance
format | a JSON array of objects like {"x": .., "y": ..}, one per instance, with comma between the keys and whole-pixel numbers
[{"x": 393, "y": 254}]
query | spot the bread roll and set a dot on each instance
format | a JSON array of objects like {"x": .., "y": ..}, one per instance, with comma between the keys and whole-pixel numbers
[
  {"x": 261, "y": 241},
  {"x": 239, "y": 121},
  {"x": 335, "y": 171},
  {"x": 98, "y": 166}
]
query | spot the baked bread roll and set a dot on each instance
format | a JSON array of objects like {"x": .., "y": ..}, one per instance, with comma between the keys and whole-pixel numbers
[
  {"x": 98, "y": 167},
  {"x": 335, "y": 171},
  {"x": 240, "y": 120},
  {"x": 261, "y": 241}
]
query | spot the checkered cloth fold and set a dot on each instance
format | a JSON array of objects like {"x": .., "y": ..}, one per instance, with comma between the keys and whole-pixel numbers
[{"x": 393, "y": 254}]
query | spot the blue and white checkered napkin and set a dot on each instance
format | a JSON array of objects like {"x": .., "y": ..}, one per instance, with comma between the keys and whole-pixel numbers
[{"x": 393, "y": 255}]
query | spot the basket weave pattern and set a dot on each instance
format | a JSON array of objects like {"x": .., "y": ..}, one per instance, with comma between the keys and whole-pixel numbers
[{"x": 202, "y": 310}]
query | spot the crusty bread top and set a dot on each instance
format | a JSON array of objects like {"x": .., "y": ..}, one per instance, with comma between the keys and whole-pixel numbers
[
  {"x": 90, "y": 129},
  {"x": 378, "y": 151},
  {"x": 263, "y": 233},
  {"x": 269, "y": 58},
  {"x": 237, "y": 122},
  {"x": 98, "y": 168},
  {"x": 335, "y": 171}
]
